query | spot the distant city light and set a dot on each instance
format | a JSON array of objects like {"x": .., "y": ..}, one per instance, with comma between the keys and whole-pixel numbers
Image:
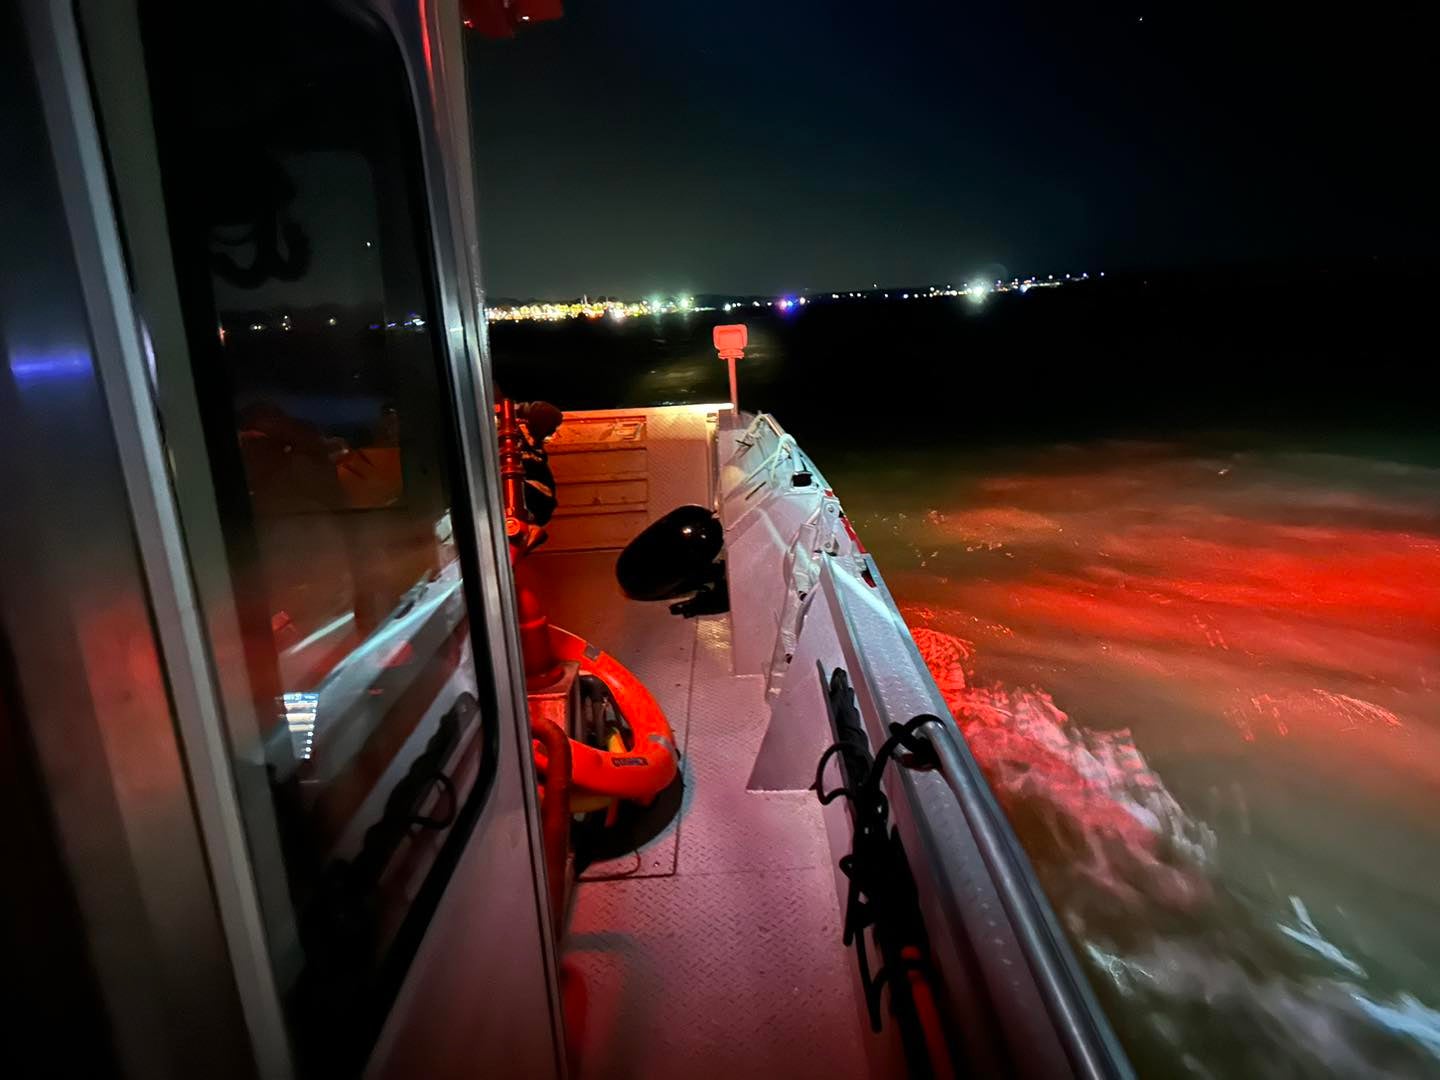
[{"x": 553, "y": 311}]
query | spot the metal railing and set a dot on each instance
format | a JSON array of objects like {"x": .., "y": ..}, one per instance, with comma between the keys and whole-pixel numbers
[
  {"x": 1080, "y": 1025},
  {"x": 981, "y": 883},
  {"x": 1079, "y": 1022}
]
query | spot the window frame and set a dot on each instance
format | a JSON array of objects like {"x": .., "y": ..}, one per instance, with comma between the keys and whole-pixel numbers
[{"x": 178, "y": 530}]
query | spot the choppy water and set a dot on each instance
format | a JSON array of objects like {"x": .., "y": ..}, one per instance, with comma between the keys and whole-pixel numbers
[{"x": 1204, "y": 686}]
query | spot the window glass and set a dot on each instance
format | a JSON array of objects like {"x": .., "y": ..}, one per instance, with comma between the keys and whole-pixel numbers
[{"x": 291, "y": 170}]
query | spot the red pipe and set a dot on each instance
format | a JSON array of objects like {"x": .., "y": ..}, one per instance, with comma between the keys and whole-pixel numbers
[
  {"x": 927, "y": 1013},
  {"x": 541, "y": 667},
  {"x": 554, "y": 809},
  {"x": 512, "y": 473}
]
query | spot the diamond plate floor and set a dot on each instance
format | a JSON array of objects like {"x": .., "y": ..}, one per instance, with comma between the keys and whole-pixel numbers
[
  {"x": 709, "y": 976},
  {"x": 727, "y": 961}
]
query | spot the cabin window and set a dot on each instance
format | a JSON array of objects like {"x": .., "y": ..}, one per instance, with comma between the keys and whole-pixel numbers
[{"x": 291, "y": 169}]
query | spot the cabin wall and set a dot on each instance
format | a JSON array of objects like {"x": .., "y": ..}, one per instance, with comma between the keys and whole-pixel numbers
[{"x": 108, "y": 903}]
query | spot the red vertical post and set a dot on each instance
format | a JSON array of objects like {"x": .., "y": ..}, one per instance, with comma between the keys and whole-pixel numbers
[
  {"x": 730, "y": 342},
  {"x": 541, "y": 667}
]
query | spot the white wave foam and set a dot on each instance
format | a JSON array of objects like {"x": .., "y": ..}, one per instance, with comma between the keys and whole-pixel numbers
[
  {"x": 1304, "y": 1025},
  {"x": 1095, "y": 785},
  {"x": 1308, "y": 935},
  {"x": 1407, "y": 1016}
]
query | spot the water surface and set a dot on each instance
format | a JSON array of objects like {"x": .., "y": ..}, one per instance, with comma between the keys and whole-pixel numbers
[{"x": 1203, "y": 683}]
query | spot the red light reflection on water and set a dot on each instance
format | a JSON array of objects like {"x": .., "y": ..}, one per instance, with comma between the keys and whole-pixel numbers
[
  {"x": 1204, "y": 689},
  {"x": 1175, "y": 605},
  {"x": 1319, "y": 604},
  {"x": 1095, "y": 788}
]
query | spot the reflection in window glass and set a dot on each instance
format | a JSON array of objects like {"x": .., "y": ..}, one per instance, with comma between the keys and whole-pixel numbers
[{"x": 291, "y": 173}]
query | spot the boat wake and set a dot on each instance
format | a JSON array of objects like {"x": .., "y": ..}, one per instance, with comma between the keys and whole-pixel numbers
[
  {"x": 1087, "y": 798},
  {"x": 1313, "y": 1024},
  {"x": 1184, "y": 964}
]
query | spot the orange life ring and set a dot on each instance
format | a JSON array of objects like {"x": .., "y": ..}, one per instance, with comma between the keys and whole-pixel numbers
[{"x": 638, "y": 772}]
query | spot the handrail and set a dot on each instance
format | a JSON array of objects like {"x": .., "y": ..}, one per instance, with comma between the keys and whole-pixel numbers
[
  {"x": 1081, "y": 1029},
  {"x": 1091, "y": 1048},
  {"x": 1080, "y": 1025},
  {"x": 786, "y": 442},
  {"x": 756, "y": 421},
  {"x": 774, "y": 424}
]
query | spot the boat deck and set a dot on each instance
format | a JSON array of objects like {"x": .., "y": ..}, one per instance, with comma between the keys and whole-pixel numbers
[
  {"x": 718, "y": 940},
  {"x": 716, "y": 943}
]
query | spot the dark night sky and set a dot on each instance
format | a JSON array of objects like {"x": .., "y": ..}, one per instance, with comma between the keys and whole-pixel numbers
[{"x": 667, "y": 145}]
